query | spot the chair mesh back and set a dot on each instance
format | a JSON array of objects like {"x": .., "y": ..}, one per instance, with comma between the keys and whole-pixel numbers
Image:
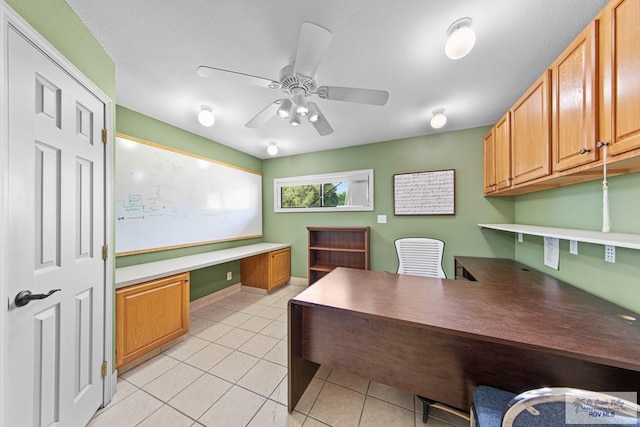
[{"x": 420, "y": 256}]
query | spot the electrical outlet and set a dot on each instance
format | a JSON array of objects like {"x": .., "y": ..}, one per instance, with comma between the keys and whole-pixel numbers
[
  {"x": 229, "y": 275},
  {"x": 610, "y": 253}
]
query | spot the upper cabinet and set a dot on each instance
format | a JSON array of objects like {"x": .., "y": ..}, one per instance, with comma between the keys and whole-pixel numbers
[
  {"x": 621, "y": 75},
  {"x": 502, "y": 139},
  {"x": 574, "y": 82},
  {"x": 530, "y": 135},
  {"x": 489, "y": 163},
  {"x": 590, "y": 93}
]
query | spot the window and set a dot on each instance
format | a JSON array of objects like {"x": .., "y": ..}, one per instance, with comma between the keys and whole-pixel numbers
[{"x": 340, "y": 191}]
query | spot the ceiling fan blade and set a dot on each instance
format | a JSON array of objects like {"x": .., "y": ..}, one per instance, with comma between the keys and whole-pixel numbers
[
  {"x": 234, "y": 76},
  {"x": 352, "y": 94},
  {"x": 312, "y": 45},
  {"x": 322, "y": 125},
  {"x": 264, "y": 115}
]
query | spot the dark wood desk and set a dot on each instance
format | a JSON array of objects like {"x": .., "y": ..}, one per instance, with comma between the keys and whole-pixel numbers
[{"x": 440, "y": 338}]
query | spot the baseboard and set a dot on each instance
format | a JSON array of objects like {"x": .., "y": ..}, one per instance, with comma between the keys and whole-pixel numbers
[
  {"x": 235, "y": 288},
  {"x": 151, "y": 354},
  {"x": 299, "y": 281},
  {"x": 252, "y": 290},
  {"x": 216, "y": 296}
]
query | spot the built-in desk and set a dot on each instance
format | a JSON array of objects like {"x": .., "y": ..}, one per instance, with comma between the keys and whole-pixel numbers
[
  {"x": 152, "y": 299},
  {"x": 438, "y": 338},
  {"x": 134, "y": 274}
]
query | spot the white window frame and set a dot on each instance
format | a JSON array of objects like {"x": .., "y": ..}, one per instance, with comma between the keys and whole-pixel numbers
[{"x": 320, "y": 179}]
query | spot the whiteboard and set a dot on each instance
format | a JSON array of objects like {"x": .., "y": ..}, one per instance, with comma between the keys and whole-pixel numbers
[{"x": 165, "y": 199}]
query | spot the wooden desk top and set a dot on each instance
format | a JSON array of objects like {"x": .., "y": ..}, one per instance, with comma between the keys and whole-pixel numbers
[{"x": 541, "y": 313}]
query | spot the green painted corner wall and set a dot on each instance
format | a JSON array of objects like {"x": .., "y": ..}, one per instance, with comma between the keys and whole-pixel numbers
[
  {"x": 461, "y": 150},
  {"x": 59, "y": 24},
  {"x": 206, "y": 280},
  {"x": 580, "y": 206}
]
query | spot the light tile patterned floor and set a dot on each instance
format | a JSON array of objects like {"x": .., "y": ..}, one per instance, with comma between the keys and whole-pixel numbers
[{"x": 232, "y": 371}]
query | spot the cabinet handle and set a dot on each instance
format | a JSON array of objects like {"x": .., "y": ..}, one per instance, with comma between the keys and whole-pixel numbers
[
  {"x": 510, "y": 179},
  {"x": 584, "y": 150},
  {"x": 601, "y": 144}
]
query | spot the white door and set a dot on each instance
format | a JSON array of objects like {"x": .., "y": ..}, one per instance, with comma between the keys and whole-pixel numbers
[{"x": 54, "y": 346}]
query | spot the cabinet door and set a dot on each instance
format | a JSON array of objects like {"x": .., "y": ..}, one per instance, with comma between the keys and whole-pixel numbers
[
  {"x": 489, "y": 163},
  {"x": 502, "y": 154},
  {"x": 530, "y": 132},
  {"x": 280, "y": 267},
  {"x": 574, "y": 102},
  {"x": 624, "y": 78},
  {"x": 149, "y": 315}
]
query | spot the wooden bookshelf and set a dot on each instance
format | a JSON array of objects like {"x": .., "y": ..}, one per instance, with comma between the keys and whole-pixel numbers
[{"x": 331, "y": 247}]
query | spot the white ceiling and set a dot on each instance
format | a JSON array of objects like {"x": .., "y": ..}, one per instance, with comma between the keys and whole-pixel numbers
[{"x": 398, "y": 46}]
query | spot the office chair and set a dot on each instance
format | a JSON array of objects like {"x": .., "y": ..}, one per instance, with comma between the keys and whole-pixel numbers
[
  {"x": 550, "y": 407},
  {"x": 420, "y": 256}
]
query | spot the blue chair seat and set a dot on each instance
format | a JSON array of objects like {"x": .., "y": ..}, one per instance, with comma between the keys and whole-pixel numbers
[
  {"x": 548, "y": 407},
  {"x": 489, "y": 404}
]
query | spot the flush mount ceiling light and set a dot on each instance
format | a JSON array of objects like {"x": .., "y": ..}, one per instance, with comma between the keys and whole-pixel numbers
[
  {"x": 205, "y": 116},
  {"x": 461, "y": 39},
  {"x": 272, "y": 148},
  {"x": 438, "y": 119}
]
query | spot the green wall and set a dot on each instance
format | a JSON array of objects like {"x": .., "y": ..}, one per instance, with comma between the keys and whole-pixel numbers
[
  {"x": 580, "y": 206},
  {"x": 59, "y": 24},
  {"x": 206, "y": 280},
  {"x": 575, "y": 206},
  {"x": 460, "y": 150}
]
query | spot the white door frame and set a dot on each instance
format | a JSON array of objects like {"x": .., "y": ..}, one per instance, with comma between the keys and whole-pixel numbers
[{"x": 8, "y": 17}]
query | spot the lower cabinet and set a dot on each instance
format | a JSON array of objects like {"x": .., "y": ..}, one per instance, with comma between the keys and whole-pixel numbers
[
  {"x": 149, "y": 315},
  {"x": 266, "y": 271}
]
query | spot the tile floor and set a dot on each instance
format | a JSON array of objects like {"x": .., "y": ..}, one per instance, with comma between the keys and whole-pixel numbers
[{"x": 232, "y": 371}]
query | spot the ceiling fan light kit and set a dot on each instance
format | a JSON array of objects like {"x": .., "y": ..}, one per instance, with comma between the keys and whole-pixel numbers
[
  {"x": 205, "y": 116},
  {"x": 284, "y": 111},
  {"x": 297, "y": 84},
  {"x": 313, "y": 113},
  {"x": 295, "y": 119},
  {"x": 461, "y": 39}
]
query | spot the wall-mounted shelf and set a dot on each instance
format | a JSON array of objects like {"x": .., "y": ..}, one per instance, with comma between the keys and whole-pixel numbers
[{"x": 620, "y": 240}]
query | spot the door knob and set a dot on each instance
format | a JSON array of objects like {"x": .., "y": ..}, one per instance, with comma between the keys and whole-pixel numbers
[{"x": 24, "y": 297}]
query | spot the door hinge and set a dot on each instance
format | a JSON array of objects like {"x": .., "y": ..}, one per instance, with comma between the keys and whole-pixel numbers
[
  {"x": 105, "y": 252},
  {"x": 104, "y": 369},
  {"x": 104, "y": 136}
]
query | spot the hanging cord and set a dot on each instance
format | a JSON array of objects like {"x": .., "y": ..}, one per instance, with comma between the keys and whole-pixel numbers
[{"x": 606, "y": 219}]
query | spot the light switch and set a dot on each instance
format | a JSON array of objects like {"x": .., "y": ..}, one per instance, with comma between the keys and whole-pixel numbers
[{"x": 382, "y": 219}]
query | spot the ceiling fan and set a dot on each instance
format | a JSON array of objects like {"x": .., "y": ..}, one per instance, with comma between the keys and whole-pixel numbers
[{"x": 297, "y": 83}]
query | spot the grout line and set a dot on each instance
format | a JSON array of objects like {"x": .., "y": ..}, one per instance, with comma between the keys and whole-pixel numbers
[{"x": 220, "y": 305}]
